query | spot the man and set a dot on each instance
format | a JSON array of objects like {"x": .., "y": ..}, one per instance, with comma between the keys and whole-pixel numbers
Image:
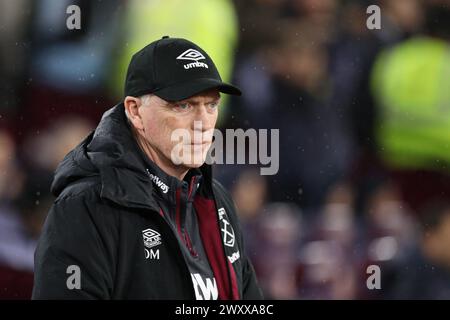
[{"x": 136, "y": 219}]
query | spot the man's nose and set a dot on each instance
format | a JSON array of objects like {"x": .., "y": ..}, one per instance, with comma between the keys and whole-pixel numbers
[{"x": 205, "y": 118}]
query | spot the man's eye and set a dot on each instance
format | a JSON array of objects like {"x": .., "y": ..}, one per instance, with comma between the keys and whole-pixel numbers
[
  {"x": 183, "y": 106},
  {"x": 214, "y": 105}
]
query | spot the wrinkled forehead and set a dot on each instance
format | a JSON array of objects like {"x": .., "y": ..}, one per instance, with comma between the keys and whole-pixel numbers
[
  {"x": 212, "y": 94},
  {"x": 207, "y": 96}
]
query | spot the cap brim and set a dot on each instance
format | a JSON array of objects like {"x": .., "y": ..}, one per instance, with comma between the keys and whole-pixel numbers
[{"x": 186, "y": 90}]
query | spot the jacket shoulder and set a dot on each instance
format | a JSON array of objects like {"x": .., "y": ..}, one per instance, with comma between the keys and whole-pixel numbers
[
  {"x": 79, "y": 231},
  {"x": 88, "y": 187}
]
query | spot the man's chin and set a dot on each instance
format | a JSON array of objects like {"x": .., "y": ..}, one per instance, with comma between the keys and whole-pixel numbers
[
  {"x": 190, "y": 163},
  {"x": 191, "y": 157},
  {"x": 195, "y": 163}
]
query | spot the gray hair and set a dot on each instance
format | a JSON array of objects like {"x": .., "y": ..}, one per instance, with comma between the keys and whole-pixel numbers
[{"x": 145, "y": 99}]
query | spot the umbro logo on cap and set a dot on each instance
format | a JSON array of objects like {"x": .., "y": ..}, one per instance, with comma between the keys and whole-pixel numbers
[{"x": 191, "y": 54}]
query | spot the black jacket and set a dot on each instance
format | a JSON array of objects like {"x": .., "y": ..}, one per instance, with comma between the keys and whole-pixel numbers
[{"x": 106, "y": 221}]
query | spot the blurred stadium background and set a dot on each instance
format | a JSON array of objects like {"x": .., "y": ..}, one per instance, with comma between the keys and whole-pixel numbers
[{"x": 364, "y": 119}]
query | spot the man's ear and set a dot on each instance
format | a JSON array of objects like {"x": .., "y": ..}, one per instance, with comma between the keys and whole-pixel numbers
[{"x": 132, "y": 105}]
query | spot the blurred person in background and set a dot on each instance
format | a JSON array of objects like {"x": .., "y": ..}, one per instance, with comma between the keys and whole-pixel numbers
[
  {"x": 25, "y": 198},
  {"x": 278, "y": 235},
  {"x": 250, "y": 196},
  {"x": 328, "y": 256},
  {"x": 258, "y": 22},
  {"x": 44, "y": 151},
  {"x": 353, "y": 52},
  {"x": 401, "y": 19},
  {"x": 294, "y": 97},
  {"x": 67, "y": 70},
  {"x": 11, "y": 176},
  {"x": 16, "y": 246},
  {"x": 389, "y": 236},
  {"x": 14, "y": 31},
  {"x": 425, "y": 272},
  {"x": 410, "y": 87}
]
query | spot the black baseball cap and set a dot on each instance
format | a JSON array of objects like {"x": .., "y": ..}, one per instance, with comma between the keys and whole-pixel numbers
[{"x": 173, "y": 69}]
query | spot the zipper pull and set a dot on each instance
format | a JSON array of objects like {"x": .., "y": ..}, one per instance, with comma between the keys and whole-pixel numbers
[{"x": 189, "y": 245}]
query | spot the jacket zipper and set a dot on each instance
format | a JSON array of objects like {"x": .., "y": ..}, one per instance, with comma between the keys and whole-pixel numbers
[{"x": 181, "y": 231}]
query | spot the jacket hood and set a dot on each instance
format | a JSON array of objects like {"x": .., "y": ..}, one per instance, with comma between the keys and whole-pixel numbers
[{"x": 111, "y": 154}]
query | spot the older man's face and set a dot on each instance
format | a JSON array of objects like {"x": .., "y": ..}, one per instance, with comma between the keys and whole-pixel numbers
[{"x": 181, "y": 132}]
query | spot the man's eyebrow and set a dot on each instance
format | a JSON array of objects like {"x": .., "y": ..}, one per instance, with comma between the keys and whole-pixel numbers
[
  {"x": 195, "y": 101},
  {"x": 215, "y": 99}
]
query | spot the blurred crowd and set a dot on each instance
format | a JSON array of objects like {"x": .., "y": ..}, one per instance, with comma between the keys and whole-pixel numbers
[{"x": 364, "y": 120}]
